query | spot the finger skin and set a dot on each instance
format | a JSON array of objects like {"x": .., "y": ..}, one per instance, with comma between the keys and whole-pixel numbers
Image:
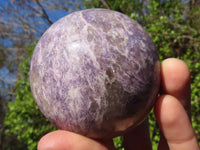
[
  {"x": 175, "y": 81},
  {"x": 64, "y": 140},
  {"x": 175, "y": 124}
]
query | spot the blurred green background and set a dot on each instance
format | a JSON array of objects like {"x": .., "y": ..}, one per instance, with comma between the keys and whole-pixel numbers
[{"x": 174, "y": 26}]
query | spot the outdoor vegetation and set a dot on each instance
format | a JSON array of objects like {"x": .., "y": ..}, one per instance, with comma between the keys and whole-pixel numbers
[{"x": 174, "y": 26}]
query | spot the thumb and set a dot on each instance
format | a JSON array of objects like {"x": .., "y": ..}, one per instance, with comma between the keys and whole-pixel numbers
[{"x": 65, "y": 140}]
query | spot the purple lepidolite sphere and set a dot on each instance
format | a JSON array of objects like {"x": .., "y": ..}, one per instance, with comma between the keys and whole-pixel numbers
[{"x": 95, "y": 72}]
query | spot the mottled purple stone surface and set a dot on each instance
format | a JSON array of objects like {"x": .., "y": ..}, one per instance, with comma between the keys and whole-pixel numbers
[{"x": 95, "y": 72}]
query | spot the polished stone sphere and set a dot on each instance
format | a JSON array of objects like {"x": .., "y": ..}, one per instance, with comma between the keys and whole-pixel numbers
[{"x": 95, "y": 72}]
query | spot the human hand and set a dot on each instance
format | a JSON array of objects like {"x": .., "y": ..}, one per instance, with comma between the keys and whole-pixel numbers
[{"x": 172, "y": 111}]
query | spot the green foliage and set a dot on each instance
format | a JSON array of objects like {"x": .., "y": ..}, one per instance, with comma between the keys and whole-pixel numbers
[
  {"x": 194, "y": 65},
  {"x": 118, "y": 143},
  {"x": 24, "y": 118}
]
